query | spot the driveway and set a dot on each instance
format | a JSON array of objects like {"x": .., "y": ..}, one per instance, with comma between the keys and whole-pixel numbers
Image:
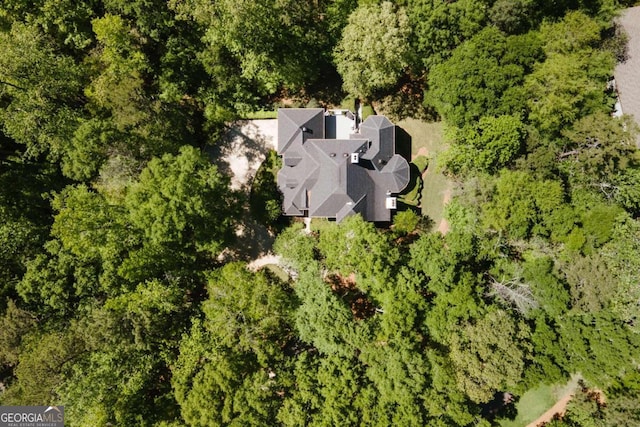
[
  {"x": 239, "y": 154},
  {"x": 627, "y": 73}
]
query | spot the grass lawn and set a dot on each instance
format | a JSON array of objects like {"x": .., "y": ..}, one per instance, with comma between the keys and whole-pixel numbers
[
  {"x": 427, "y": 139},
  {"x": 539, "y": 400},
  {"x": 262, "y": 114},
  {"x": 426, "y": 135},
  {"x": 532, "y": 404}
]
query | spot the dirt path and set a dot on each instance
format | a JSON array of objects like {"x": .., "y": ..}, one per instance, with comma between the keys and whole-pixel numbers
[
  {"x": 443, "y": 227},
  {"x": 244, "y": 149},
  {"x": 559, "y": 408},
  {"x": 421, "y": 152},
  {"x": 267, "y": 259}
]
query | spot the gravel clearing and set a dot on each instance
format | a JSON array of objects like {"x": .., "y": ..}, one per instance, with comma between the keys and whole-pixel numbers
[
  {"x": 244, "y": 149},
  {"x": 239, "y": 154}
]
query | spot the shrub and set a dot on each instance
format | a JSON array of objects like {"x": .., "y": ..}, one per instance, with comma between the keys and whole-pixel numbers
[
  {"x": 265, "y": 200},
  {"x": 421, "y": 162},
  {"x": 405, "y": 222}
]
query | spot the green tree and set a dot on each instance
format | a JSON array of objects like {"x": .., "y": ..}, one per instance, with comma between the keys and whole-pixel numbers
[
  {"x": 598, "y": 149},
  {"x": 566, "y": 87},
  {"x": 575, "y": 32},
  {"x": 513, "y": 16},
  {"x": 56, "y": 282},
  {"x": 89, "y": 227},
  {"x": 130, "y": 341},
  {"x": 549, "y": 360},
  {"x": 598, "y": 346},
  {"x": 489, "y": 355},
  {"x": 15, "y": 326},
  {"x": 329, "y": 391},
  {"x": 373, "y": 53},
  {"x": 483, "y": 76},
  {"x": 183, "y": 199},
  {"x": 356, "y": 246},
  {"x": 43, "y": 362},
  {"x": 20, "y": 240},
  {"x": 66, "y": 21},
  {"x": 550, "y": 292},
  {"x": 297, "y": 248},
  {"x": 266, "y": 199},
  {"x": 130, "y": 118},
  {"x": 622, "y": 409},
  {"x": 449, "y": 280},
  {"x": 627, "y": 191},
  {"x": 400, "y": 375},
  {"x": 590, "y": 283},
  {"x": 252, "y": 49},
  {"x": 407, "y": 222},
  {"x": 232, "y": 367},
  {"x": 41, "y": 89},
  {"x": 324, "y": 320},
  {"x": 486, "y": 146},
  {"x": 620, "y": 256},
  {"x": 522, "y": 206},
  {"x": 118, "y": 87},
  {"x": 439, "y": 27},
  {"x": 257, "y": 320}
]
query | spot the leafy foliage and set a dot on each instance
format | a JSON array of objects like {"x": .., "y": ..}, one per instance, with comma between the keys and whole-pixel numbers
[
  {"x": 373, "y": 53},
  {"x": 118, "y": 294},
  {"x": 488, "y": 146},
  {"x": 483, "y": 77}
]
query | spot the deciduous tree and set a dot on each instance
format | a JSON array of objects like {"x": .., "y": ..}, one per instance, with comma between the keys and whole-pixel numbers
[{"x": 373, "y": 53}]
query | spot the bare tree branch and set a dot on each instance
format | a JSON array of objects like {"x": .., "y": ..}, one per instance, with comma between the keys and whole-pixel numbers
[{"x": 514, "y": 293}]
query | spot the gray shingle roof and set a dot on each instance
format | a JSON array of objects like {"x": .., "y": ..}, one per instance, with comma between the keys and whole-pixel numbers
[{"x": 321, "y": 179}]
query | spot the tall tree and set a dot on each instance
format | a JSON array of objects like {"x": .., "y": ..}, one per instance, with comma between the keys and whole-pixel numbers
[
  {"x": 41, "y": 89},
  {"x": 373, "y": 53},
  {"x": 486, "y": 146},
  {"x": 183, "y": 199},
  {"x": 483, "y": 76},
  {"x": 485, "y": 356},
  {"x": 439, "y": 27},
  {"x": 232, "y": 367}
]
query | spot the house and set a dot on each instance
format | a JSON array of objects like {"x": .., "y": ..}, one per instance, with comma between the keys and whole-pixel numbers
[{"x": 333, "y": 167}]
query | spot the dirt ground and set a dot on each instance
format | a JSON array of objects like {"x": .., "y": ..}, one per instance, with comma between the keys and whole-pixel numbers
[
  {"x": 240, "y": 154},
  {"x": 244, "y": 149},
  {"x": 443, "y": 227},
  {"x": 560, "y": 407}
]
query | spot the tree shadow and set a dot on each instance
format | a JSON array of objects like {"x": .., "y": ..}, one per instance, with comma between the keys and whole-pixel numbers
[
  {"x": 244, "y": 147},
  {"x": 252, "y": 241},
  {"x": 415, "y": 178},
  {"x": 242, "y": 140},
  {"x": 403, "y": 143},
  {"x": 502, "y": 406},
  {"x": 328, "y": 87}
]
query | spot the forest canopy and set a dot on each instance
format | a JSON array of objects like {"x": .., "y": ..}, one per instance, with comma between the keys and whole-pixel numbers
[{"x": 118, "y": 296}]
